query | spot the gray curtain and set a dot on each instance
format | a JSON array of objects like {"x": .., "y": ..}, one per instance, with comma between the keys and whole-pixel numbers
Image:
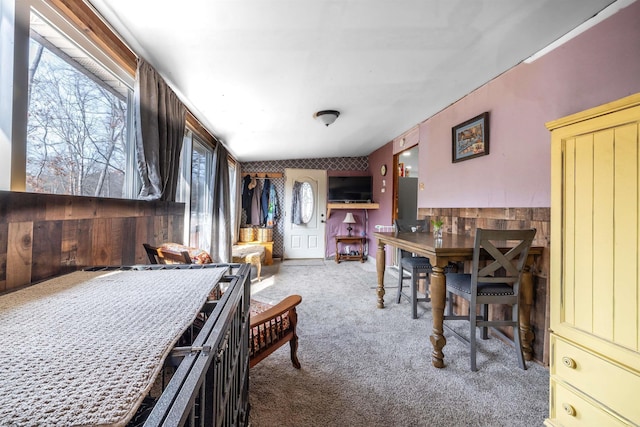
[
  {"x": 221, "y": 233},
  {"x": 296, "y": 203},
  {"x": 238, "y": 205},
  {"x": 160, "y": 122}
]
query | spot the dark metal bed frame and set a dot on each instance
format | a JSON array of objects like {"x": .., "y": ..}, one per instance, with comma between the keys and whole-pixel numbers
[{"x": 210, "y": 385}]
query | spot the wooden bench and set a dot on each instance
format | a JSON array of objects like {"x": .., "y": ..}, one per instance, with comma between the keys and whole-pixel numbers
[{"x": 251, "y": 254}]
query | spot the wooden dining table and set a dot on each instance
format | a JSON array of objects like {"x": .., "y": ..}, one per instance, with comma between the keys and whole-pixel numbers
[{"x": 452, "y": 248}]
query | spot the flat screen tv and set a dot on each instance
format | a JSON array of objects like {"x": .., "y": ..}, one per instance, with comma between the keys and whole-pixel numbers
[{"x": 350, "y": 189}]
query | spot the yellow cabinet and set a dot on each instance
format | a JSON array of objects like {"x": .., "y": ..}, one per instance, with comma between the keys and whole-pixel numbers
[{"x": 595, "y": 268}]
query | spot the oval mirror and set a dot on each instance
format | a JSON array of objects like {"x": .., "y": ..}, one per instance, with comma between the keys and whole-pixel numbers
[{"x": 306, "y": 195}]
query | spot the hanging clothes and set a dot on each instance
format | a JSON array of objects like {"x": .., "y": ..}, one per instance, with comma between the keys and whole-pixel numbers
[
  {"x": 296, "y": 203},
  {"x": 255, "y": 204},
  {"x": 274, "y": 209},
  {"x": 247, "y": 195},
  {"x": 264, "y": 201}
]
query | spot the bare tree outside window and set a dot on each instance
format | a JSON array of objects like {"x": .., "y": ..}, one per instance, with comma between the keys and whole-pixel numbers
[{"x": 76, "y": 133}]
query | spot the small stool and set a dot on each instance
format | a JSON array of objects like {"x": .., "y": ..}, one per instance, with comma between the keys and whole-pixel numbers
[
  {"x": 420, "y": 268},
  {"x": 251, "y": 254}
]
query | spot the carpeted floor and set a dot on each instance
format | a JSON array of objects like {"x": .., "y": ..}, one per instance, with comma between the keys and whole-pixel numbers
[{"x": 362, "y": 366}]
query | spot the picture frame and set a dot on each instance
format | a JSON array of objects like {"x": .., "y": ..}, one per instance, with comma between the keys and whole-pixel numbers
[{"x": 471, "y": 138}]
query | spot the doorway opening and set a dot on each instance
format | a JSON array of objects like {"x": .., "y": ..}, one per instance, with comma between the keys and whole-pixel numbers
[{"x": 405, "y": 184}]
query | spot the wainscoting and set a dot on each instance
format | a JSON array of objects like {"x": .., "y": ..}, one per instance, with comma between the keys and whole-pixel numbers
[
  {"x": 466, "y": 220},
  {"x": 44, "y": 235}
]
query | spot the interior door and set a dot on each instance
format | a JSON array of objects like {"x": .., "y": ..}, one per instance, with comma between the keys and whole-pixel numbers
[{"x": 305, "y": 239}]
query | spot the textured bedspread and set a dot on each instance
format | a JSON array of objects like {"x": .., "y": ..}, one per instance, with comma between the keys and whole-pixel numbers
[{"x": 85, "y": 348}]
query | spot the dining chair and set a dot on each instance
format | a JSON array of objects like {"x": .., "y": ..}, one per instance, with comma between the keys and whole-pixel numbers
[
  {"x": 496, "y": 281},
  {"x": 419, "y": 267}
]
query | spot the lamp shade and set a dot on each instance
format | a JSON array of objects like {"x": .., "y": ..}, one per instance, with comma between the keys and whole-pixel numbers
[{"x": 349, "y": 219}]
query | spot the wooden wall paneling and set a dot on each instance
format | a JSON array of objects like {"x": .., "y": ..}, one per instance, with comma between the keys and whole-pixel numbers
[
  {"x": 101, "y": 242},
  {"x": 160, "y": 231},
  {"x": 19, "y": 256},
  {"x": 143, "y": 234},
  {"x": 4, "y": 231},
  {"x": 172, "y": 236},
  {"x": 540, "y": 318},
  {"x": 84, "y": 243},
  {"x": 69, "y": 245},
  {"x": 116, "y": 241},
  {"x": 56, "y": 208},
  {"x": 176, "y": 228},
  {"x": 4, "y": 205},
  {"x": 128, "y": 248},
  {"x": 46, "y": 251},
  {"x": 25, "y": 209},
  {"x": 46, "y": 234}
]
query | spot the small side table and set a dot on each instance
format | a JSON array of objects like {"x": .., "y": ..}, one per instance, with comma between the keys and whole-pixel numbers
[{"x": 350, "y": 240}]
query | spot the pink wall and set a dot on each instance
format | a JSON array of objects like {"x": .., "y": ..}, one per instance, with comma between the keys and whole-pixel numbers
[
  {"x": 381, "y": 216},
  {"x": 599, "y": 66}
]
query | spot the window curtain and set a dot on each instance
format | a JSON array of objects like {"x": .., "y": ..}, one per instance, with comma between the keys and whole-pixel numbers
[
  {"x": 221, "y": 233},
  {"x": 160, "y": 123},
  {"x": 238, "y": 204}
]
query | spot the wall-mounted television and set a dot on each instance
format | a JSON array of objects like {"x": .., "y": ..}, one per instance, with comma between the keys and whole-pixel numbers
[{"x": 350, "y": 189}]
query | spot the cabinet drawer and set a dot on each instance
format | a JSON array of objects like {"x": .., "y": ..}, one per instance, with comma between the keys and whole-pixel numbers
[
  {"x": 569, "y": 409},
  {"x": 601, "y": 380}
]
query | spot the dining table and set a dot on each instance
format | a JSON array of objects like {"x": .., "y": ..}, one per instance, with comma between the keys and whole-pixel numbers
[{"x": 441, "y": 251}]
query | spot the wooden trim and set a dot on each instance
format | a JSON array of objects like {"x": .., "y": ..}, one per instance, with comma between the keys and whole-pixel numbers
[
  {"x": 86, "y": 19},
  {"x": 264, "y": 174},
  {"x": 351, "y": 206},
  {"x": 611, "y": 107},
  {"x": 200, "y": 130}
]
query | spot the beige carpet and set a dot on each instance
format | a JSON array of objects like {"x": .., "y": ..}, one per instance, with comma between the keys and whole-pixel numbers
[
  {"x": 362, "y": 366},
  {"x": 84, "y": 349}
]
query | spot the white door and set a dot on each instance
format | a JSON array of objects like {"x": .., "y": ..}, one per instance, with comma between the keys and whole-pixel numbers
[{"x": 306, "y": 239}]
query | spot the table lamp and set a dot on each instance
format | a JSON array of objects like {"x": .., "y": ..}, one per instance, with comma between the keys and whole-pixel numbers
[{"x": 349, "y": 219}]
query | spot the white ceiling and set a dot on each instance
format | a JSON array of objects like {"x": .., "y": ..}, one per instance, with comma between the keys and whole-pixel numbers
[{"x": 254, "y": 71}]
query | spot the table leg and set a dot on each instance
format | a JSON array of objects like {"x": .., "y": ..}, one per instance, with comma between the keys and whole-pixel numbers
[
  {"x": 380, "y": 260},
  {"x": 526, "y": 302},
  {"x": 438, "y": 291}
]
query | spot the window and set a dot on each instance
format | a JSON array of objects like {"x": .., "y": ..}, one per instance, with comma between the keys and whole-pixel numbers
[
  {"x": 200, "y": 199},
  {"x": 307, "y": 202},
  {"x": 195, "y": 191},
  {"x": 78, "y": 116}
]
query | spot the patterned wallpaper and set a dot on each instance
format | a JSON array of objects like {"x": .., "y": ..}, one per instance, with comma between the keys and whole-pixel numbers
[{"x": 327, "y": 163}]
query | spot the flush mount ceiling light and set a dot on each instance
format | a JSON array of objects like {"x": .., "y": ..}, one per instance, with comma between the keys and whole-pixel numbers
[{"x": 327, "y": 117}]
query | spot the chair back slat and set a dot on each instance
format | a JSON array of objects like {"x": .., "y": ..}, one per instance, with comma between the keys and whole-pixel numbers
[{"x": 487, "y": 243}]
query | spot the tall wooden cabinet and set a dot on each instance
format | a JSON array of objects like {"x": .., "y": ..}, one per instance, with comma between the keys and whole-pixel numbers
[{"x": 595, "y": 268}]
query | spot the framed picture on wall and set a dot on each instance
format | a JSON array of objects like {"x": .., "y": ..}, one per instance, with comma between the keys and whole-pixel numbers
[{"x": 471, "y": 138}]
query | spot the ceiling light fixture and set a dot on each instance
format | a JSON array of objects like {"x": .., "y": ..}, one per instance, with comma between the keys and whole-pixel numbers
[{"x": 327, "y": 117}]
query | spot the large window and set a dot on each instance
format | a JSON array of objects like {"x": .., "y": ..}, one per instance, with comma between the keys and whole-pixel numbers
[
  {"x": 201, "y": 169},
  {"x": 78, "y": 116}
]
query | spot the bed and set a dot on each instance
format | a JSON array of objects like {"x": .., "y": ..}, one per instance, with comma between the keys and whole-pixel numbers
[{"x": 91, "y": 347}]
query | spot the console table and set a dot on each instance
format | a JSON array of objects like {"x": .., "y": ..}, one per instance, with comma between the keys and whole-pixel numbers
[{"x": 350, "y": 240}]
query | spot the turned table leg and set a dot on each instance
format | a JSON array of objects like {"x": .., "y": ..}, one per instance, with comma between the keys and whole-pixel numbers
[
  {"x": 526, "y": 302},
  {"x": 438, "y": 290},
  {"x": 380, "y": 260}
]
